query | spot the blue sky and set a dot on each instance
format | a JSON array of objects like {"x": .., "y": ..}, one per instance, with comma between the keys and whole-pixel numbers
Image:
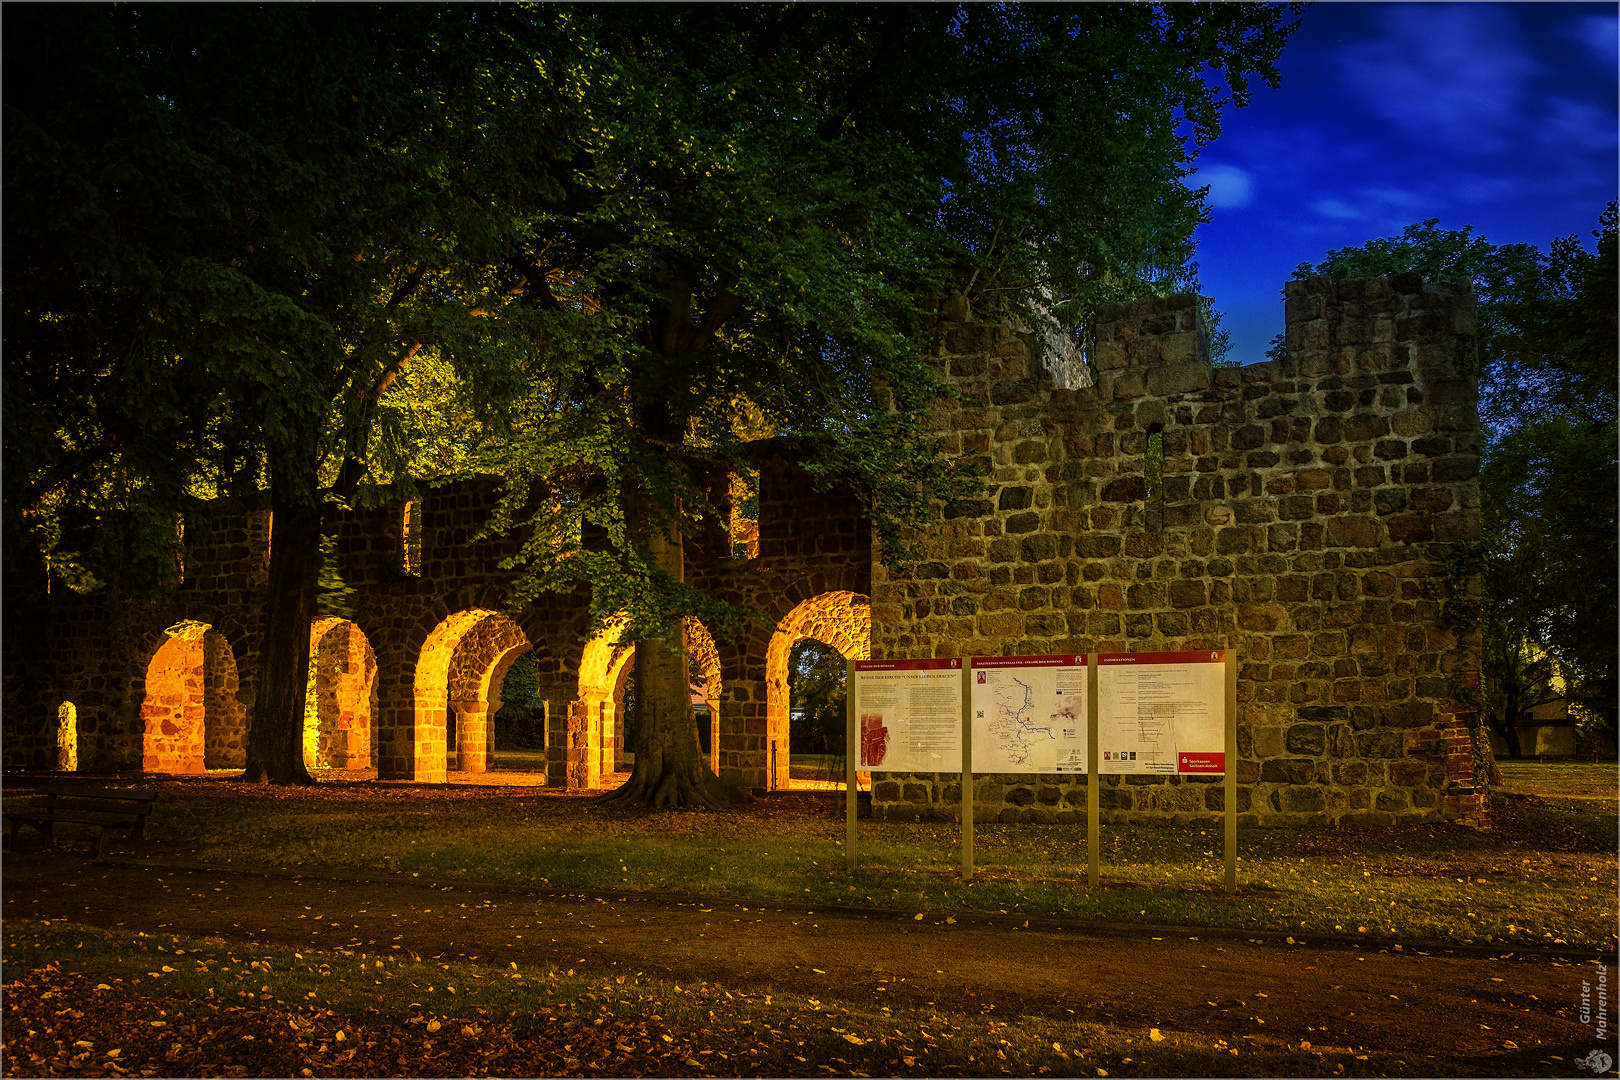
[{"x": 1499, "y": 116}]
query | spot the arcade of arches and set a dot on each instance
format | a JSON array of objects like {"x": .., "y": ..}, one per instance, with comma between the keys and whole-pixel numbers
[{"x": 194, "y": 721}]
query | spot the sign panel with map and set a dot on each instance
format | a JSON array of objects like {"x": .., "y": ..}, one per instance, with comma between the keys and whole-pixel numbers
[
  {"x": 1029, "y": 714},
  {"x": 1161, "y": 712},
  {"x": 908, "y": 715}
]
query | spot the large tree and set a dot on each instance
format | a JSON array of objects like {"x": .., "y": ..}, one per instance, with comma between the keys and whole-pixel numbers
[
  {"x": 1548, "y": 360},
  {"x": 228, "y": 229},
  {"x": 757, "y": 233}
]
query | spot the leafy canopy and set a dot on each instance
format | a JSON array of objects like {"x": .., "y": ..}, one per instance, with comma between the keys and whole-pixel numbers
[{"x": 756, "y": 228}]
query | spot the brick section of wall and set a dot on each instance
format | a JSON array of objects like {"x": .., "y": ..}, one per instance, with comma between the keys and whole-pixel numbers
[{"x": 1310, "y": 509}]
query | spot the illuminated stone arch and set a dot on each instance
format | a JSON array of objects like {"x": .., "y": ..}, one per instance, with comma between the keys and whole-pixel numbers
[
  {"x": 341, "y": 700},
  {"x": 700, "y": 647},
  {"x": 191, "y": 716},
  {"x": 840, "y": 619},
  {"x": 603, "y": 668},
  {"x": 476, "y": 677},
  {"x": 461, "y": 667}
]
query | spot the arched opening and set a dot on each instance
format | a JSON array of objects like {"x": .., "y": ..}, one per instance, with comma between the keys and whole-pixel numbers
[
  {"x": 518, "y": 727},
  {"x": 457, "y": 690},
  {"x": 704, "y": 659},
  {"x": 67, "y": 737},
  {"x": 840, "y": 619},
  {"x": 615, "y": 713},
  {"x": 192, "y": 717},
  {"x": 606, "y": 688},
  {"x": 341, "y": 698}
]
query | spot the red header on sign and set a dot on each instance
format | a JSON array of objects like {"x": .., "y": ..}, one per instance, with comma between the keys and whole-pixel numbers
[
  {"x": 908, "y": 665},
  {"x": 1207, "y": 656},
  {"x": 1200, "y": 763},
  {"x": 1062, "y": 660}
]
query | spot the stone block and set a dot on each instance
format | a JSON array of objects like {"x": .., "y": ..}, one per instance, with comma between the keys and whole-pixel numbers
[
  {"x": 1287, "y": 771},
  {"x": 1392, "y": 800},
  {"x": 1352, "y": 532},
  {"x": 1380, "y": 744},
  {"x": 1307, "y": 739},
  {"x": 1269, "y": 741},
  {"x": 1305, "y": 799},
  {"x": 1180, "y": 378},
  {"x": 1014, "y": 498}
]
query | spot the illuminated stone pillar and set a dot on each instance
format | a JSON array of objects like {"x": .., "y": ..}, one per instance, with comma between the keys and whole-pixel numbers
[
  {"x": 67, "y": 738},
  {"x": 472, "y": 736}
]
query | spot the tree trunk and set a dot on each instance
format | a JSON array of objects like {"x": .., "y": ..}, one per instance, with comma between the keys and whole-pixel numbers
[
  {"x": 275, "y": 747},
  {"x": 670, "y": 772}
]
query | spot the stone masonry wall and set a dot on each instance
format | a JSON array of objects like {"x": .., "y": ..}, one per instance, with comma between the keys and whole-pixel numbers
[{"x": 1311, "y": 510}]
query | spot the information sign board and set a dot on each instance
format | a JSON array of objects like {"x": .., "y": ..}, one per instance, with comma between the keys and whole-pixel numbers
[
  {"x": 908, "y": 715},
  {"x": 1161, "y": 712},
  {"x": 1029, "y": 714}
]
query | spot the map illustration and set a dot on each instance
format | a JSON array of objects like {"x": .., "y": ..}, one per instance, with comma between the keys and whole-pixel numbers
[
  {"x": 1029, "y": 719},
  {"x": 1013, "y": 727}
]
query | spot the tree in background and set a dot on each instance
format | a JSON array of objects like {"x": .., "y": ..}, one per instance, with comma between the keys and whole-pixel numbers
[
  {"x": 227, "y": 231},
  {"x": 816, "y": 678},
  {"x": 1548, "y": 356}
]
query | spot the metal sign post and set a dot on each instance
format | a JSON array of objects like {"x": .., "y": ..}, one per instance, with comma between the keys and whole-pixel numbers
[
  {"x": 1093, "y": 777},
  {"x": 967, "y": 771},
  {"x": 1229, "y": 782},
  {"x": 852, "y": 750}
]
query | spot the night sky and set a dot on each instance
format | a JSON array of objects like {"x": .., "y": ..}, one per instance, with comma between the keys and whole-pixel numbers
[{"x": 1499, "y": 116}]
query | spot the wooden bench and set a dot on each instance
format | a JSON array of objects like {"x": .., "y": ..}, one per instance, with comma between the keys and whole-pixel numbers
[{"x": 114, "y": 810}]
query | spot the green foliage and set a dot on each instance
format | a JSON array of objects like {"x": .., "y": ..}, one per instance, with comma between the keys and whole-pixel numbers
[
  {"x": 757, "y": 225},
  {"x": 326, "y": 250},
  {"x": 227, "y": 230},
  {"x": 816, "y": 696}
]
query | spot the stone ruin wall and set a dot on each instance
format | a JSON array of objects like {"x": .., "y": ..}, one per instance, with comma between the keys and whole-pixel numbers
[
  {"x": 810, "y": 544},
  {"x": 95, "y": 651},
  {"x": 1312, "y": 510}
]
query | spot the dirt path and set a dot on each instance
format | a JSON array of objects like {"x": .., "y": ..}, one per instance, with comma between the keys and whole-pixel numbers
[{"x": 1460, "y": 1007}]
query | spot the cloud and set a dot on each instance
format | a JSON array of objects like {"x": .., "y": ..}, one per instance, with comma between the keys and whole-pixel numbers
[
  {"x": 1390, "y": 198},
  {"x": 1577, "y": 125},
  {"x": 1450, "y": 74},
  {"x": 1333, "y": 208},
  {"x": 1481, "y": 189},
  {"x": 1382, "y": 206},
  {"x": 1229, "y": 186},
  {"x": 1601, "y": 34}
]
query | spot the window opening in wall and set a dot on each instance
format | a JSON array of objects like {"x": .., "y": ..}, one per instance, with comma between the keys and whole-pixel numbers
[
  {"x": 412, "y": 532},
  {"x": 744, "y": 526},
  {"x": 1153, "y": 474},
  {"x": 333, "y": 595}
]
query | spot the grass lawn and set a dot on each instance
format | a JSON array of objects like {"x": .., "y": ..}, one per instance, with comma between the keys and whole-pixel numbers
[
  {"x": 1546, "y": 874},
  {"x": 1563, "y": 779}
]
